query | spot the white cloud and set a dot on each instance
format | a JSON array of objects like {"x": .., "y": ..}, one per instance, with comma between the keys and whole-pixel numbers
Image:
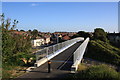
[{"x": 34, "y": 4}]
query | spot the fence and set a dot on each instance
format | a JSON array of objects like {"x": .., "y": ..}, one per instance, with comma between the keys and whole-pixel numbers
[
  {"x": 78, "y": 55},
  {"x": 44, "y": 53}
]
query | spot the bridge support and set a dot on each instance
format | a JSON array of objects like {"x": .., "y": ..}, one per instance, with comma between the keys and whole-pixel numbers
[{"x": 74, "y": 69}]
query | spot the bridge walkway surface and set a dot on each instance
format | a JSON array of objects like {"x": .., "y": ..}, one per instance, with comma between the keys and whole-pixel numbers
[{"x": 60, "y": 65}]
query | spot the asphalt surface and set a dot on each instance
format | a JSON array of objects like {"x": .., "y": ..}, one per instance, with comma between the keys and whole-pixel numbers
[{"x": 60, "y": 65}]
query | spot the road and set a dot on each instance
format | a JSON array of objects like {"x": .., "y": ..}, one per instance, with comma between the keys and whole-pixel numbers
[{"x": 60, "y": 66}]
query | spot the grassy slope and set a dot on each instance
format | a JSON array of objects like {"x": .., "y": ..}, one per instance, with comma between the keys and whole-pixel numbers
[{"x": 102, "y": 51}]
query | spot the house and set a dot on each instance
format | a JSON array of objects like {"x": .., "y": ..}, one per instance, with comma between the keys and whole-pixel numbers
[
  {"x": 19, "y": 33},
  {"x": 47, "y": 39},
  {"x": 114, "y": 38},
  {"x": 38, "y": 42},
  {"x": 24, "y": 34},
  {"x": 71, "y": 33}
]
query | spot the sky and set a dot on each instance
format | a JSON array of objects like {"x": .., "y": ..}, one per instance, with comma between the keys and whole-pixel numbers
[
  {"x": 63, "y": 16},
  {"x": 60, "y": 0}
]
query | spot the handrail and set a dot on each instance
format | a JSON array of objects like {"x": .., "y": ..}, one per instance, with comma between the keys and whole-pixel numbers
[
  {"x": 45, "y": 52},
  {"x": 78, "y": 55}
]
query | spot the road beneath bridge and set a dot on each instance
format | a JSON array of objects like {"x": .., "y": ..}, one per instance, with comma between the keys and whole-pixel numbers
[{"x": 61, "y": 65}]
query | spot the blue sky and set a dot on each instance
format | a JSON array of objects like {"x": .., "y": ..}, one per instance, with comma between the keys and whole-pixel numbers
[{"x": 63, "y": 16}]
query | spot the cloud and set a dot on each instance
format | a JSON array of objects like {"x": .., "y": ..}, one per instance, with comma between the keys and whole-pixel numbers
[{"x": 34, "y": 4}]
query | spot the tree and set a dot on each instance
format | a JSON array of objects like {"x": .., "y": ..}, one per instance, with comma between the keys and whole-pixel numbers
[
  {"x": 29, "y": 30},
  {"x": 8, "y": 43},
  {"x": 35, "y": 33},
  {"x": 22, "y": 30},
  {"x": 6, "y": 23},
  {"x": 12, "y": 45},
  {"x": 100, "y": 34},
  {"x": 81, "y": 34},
  {"x": 17, "y": 30}
]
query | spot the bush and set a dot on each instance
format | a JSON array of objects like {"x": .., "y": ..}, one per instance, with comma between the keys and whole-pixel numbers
[
  {"x": 100, "y": 34},
  {"x": 23, "y": 58}
]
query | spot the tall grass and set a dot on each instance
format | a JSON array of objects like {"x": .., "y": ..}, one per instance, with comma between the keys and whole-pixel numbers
[
  {"x": 98, "y": 72},
  {"x": 103, "y": 51}
]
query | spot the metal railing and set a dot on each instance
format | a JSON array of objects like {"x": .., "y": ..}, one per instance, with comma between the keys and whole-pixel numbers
[
  {"x": 44, "y": 53},
  {"x": 78, "y": 54}
]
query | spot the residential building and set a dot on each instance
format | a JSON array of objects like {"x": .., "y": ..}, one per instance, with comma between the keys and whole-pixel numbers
[
  {"x": 114, "y": 38},
  {"x": 47, "y": 39},
  {"x": 66, "y": 37},
  {"x": 38, "y": 42}
]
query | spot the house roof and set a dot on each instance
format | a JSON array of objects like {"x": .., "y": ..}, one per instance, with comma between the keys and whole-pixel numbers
[
  {"x": 113, "y": 34},
  {"x": 66, "y": 37}
]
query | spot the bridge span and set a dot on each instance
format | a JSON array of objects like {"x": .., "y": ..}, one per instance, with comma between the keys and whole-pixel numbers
[{"x": 64, "y": 59}]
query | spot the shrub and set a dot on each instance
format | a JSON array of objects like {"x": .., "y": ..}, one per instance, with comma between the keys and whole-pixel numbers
[
  {"x": 23, "y": 58},
  {"x": 100, "y": 34}
]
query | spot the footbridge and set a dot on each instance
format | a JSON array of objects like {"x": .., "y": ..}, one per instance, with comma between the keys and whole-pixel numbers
[{"x": 65, "y": 58}]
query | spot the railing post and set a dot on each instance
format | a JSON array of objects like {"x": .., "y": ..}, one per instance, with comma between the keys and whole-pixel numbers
[
  {"x": 47, "y": 52},
  {"x": 58, "y": 46},
  {"x": 36, "y": 57},
  {"x": 53, "y": 48}
]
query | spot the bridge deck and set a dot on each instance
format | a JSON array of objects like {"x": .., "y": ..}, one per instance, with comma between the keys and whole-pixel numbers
[{"x": 60, "y": 65}]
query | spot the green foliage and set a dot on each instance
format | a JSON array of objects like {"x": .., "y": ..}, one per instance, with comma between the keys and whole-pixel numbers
[
  {"x": 98, "y": 72},
  {"x": 23, "y": 44},
  {"x": 103, "y": 51},
  {"x": 22, "y": 30},
  {"x": 7, "y": 46},
  {"x": 81, "y": 34},
  {"x": 13, "y": 45},
  {"x": 5, "y": 74},
  {"x": 21, "y": 55},
  {"x": 100, "y": 34},
  {"x": 34, "y": 33}
]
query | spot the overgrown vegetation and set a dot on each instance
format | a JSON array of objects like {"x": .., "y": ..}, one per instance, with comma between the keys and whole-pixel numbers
[
  {"x": 100, "y": 34},
  {"x": 99, "y": 47},
  {"x": 16, "y": 49},
  {"x": 81, "y": 34},
  {"x": 98, "y": 72},
  {"x": 104, "y": 52}
]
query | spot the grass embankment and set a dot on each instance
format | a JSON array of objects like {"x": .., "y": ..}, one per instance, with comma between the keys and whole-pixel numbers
[
  {"x": 104, "y": 52},
  {"x": 16, "y": 69},
  {"x": 100, "y": 51},
  {"x": 96, "y": 72}
]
